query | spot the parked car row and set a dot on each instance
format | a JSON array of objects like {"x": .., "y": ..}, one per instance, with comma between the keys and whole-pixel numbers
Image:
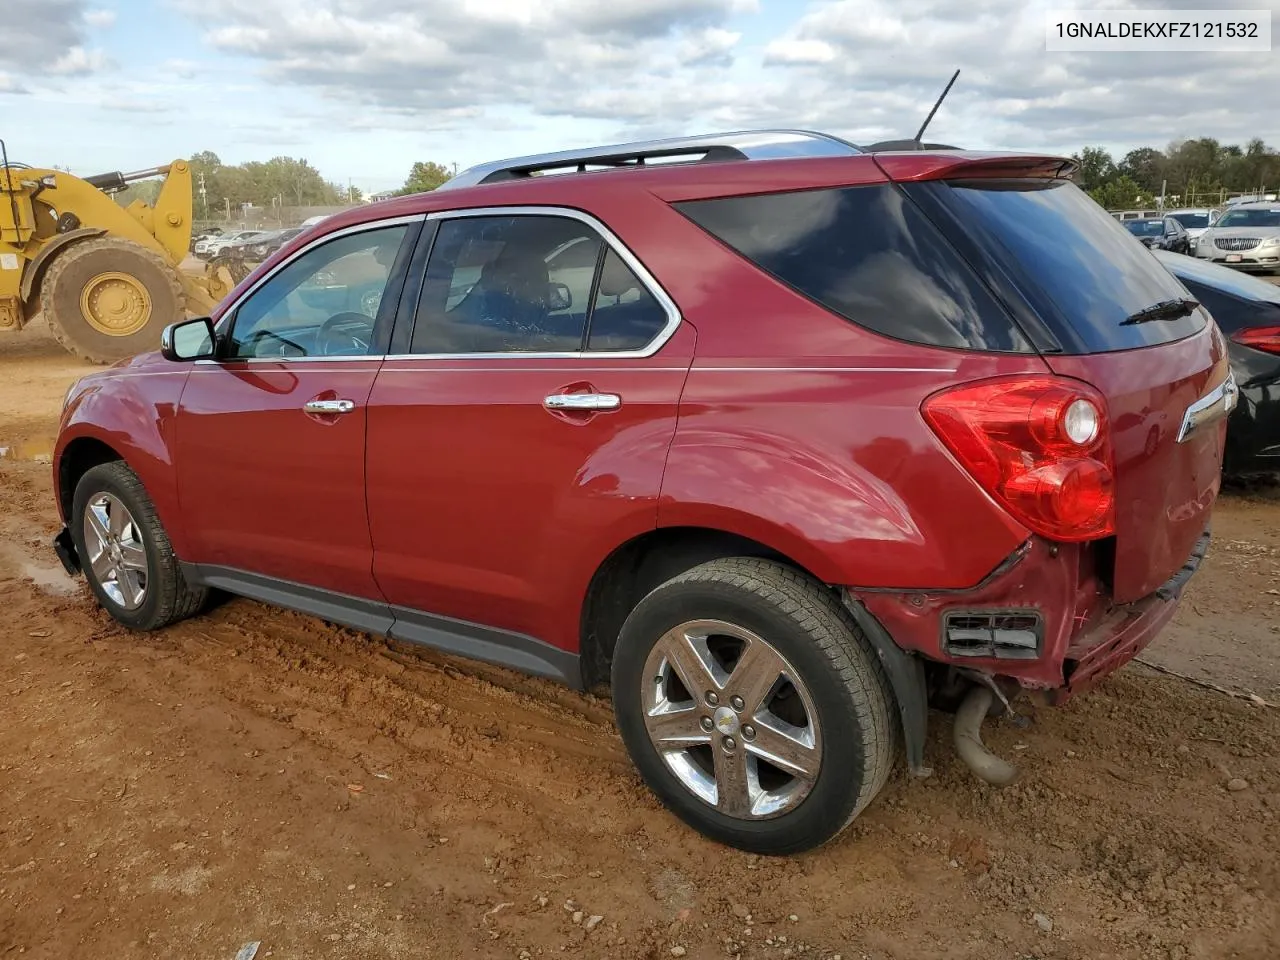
[{"x": 255, "y": 245}]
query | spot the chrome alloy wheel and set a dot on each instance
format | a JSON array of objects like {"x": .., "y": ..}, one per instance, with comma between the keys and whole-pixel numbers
[
  {"x": 115, "y": 551},
  {"x": 731, "y": 719}
]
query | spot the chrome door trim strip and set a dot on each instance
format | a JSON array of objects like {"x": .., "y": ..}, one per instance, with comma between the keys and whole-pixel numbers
[{"x": 1213, "y": 406}]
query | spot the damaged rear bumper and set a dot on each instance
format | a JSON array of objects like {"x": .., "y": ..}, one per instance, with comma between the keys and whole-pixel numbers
[
  {"x": 1125, "y": 631},
  {"x": 1070, "y": 634}
]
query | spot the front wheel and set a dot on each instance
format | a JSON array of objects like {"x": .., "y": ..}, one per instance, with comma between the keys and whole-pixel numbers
[
  {"x": 125, "y": 553},
  {"x": 753, "y": 706}
]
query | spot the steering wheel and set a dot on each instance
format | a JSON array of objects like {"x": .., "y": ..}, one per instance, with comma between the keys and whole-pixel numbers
[{"x": 344, "y": 334}]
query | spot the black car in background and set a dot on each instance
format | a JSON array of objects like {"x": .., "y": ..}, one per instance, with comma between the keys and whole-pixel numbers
[
  {"x": 261, "y": 247},
  {"x": 1247, "y": 311},
  {"x": 1160, "y": 233}
]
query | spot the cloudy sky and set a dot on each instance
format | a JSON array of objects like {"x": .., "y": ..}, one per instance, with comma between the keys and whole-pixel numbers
[{"x": 362, "y": 88}]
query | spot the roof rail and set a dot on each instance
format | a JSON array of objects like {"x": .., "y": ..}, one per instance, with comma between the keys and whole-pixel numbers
[{"x": 740, "y": 145}]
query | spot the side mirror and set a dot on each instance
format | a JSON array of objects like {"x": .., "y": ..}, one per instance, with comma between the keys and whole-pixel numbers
[
  {"x": 188, "y": 340},
  {"x": 559, "y": 296}
]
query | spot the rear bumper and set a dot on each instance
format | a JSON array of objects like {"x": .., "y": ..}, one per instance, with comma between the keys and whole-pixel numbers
[
  {"x": 1083, "y": 635},
  {"x": 1249, "y": 260},
  {"x": 1124, "y": 632}
]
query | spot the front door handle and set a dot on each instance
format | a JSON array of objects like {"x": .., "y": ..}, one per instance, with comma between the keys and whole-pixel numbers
[
  {"x": 329, "y": 406},
  {"x": 583, "y": 401}
]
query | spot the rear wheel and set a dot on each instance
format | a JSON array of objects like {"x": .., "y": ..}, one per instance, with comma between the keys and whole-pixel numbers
[
  {"x": 753, "y": 706},
  {"x": 109, "y": 298},
  {"x": 125, "y": 553}
]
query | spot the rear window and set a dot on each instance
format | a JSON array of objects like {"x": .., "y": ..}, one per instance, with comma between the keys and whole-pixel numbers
[
  {"x": 1145, "y": 228},
  {"x": 1078, "y": 267},
  {"x": 871, "y": 256}
]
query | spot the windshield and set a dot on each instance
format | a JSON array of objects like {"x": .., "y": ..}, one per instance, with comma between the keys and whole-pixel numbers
[
  {"x": 1074, "y": 264},
  {"x": 1191, "y": 220},
  {"x": 1145, "y": 228},
  {"x": 1262, "y": 217}
]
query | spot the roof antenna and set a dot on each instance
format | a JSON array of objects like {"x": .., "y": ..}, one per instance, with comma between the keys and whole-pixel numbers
[{"x": 936, "y": 105}]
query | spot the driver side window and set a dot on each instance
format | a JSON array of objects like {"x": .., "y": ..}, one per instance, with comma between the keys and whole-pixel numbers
[{"x": 322, "y": 304}]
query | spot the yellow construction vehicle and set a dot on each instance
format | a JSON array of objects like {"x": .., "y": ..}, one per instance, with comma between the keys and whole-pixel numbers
[{"x": 106, "y": 277}]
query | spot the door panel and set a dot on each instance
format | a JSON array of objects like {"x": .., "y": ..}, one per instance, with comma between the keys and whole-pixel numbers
[
  {"x": 267, "y": 488},
  {"x": 271, "y": 437},
  {"x": 487, "y": 506}
]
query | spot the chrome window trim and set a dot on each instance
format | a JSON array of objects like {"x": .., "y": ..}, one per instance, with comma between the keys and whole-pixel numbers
[
  {"x": 646, "y": 278},
  {"x": 302, "y": 251}
]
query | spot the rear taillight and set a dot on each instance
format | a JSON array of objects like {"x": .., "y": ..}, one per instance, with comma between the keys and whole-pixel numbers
[
  {"x": 1041, "y": 446},
  {"x": 1266, "y": 339}
]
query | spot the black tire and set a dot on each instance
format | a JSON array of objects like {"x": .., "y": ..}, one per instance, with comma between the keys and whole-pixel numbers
[
  {"x": 237, "y": 268},
  {"x": 168, "y": 597},
  {"x": 846, "y": 683},
  {"x": 74, "y": 268}
]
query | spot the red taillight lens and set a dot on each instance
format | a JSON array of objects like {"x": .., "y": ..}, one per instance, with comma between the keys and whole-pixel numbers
[
  {"x": 1040, "y": 445},
  {"x": 1266, "y": 339}
]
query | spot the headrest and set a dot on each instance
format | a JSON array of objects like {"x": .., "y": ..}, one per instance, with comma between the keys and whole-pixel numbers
[{"x": 616, "y": 278}]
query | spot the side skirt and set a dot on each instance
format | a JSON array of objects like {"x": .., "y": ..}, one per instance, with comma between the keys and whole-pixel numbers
[{"x": 462, "y": 638}]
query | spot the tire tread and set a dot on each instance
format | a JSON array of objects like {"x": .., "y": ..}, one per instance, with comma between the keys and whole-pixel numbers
[{"x": 816, "y": 611}]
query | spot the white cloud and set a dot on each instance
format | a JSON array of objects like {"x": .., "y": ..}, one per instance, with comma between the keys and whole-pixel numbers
[
  {"x": 797, "y": 50},
  {"x": 77, "y": 61},
  {"x": 868, "y": 69},
  {"x": 47, "y": 37},
  {"x": 100, "y": 19}
]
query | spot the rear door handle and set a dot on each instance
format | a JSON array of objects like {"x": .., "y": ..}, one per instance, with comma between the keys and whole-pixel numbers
[
  {"x": 329, "y": 406},
  {"x": 583, "y": 401}
]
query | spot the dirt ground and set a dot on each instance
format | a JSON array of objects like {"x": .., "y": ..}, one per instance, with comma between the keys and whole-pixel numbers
[{"x": 255, "y": 775}]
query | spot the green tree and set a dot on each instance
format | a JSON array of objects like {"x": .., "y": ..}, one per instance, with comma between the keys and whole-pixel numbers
[
  {"x": 1095, "y": 167},
  {"x": 424, "y": 177},
  {"x": 144, "y": 190},
  {"x": 1145, "y": 167},
  {"x": 1119, "y": 193}
]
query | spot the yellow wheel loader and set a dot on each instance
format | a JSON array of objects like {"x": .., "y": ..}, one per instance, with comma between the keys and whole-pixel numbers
[{"x": 106, "y": 277}]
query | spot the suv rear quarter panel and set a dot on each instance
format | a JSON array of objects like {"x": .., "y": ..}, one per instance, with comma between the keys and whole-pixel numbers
[{"x": 802, "y": 431}]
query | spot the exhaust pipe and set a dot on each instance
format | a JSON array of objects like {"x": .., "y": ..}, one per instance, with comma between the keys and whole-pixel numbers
[{"x": 968, "y": 740}]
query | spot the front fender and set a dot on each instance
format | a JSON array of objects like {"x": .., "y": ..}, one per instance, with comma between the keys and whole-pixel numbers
[
  {"x": 132, "y": 411},
  {"x": 35, "y": 271}
]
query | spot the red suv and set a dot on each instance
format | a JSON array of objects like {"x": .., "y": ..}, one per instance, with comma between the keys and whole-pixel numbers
[{"x": 779, "y": 437}]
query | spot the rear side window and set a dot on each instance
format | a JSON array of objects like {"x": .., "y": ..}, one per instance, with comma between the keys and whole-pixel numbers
[
  {"x": 1082, "y": 272},
  {"x": 531, "y": 284},
  {"x": 868, "y": 254}
]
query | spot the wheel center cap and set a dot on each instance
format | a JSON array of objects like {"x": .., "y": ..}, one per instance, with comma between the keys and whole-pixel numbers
[{"x": 726, "y": 721}]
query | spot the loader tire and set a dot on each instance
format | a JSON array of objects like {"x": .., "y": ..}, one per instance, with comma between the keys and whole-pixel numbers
[
  {"x": 237, "y": 269},
  {"x": 109, "y": 298}
]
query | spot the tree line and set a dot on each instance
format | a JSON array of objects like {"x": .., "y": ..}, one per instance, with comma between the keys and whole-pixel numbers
[
  {"x": 1194, "y": 171},
  {"x": 280, "y": 181}
]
